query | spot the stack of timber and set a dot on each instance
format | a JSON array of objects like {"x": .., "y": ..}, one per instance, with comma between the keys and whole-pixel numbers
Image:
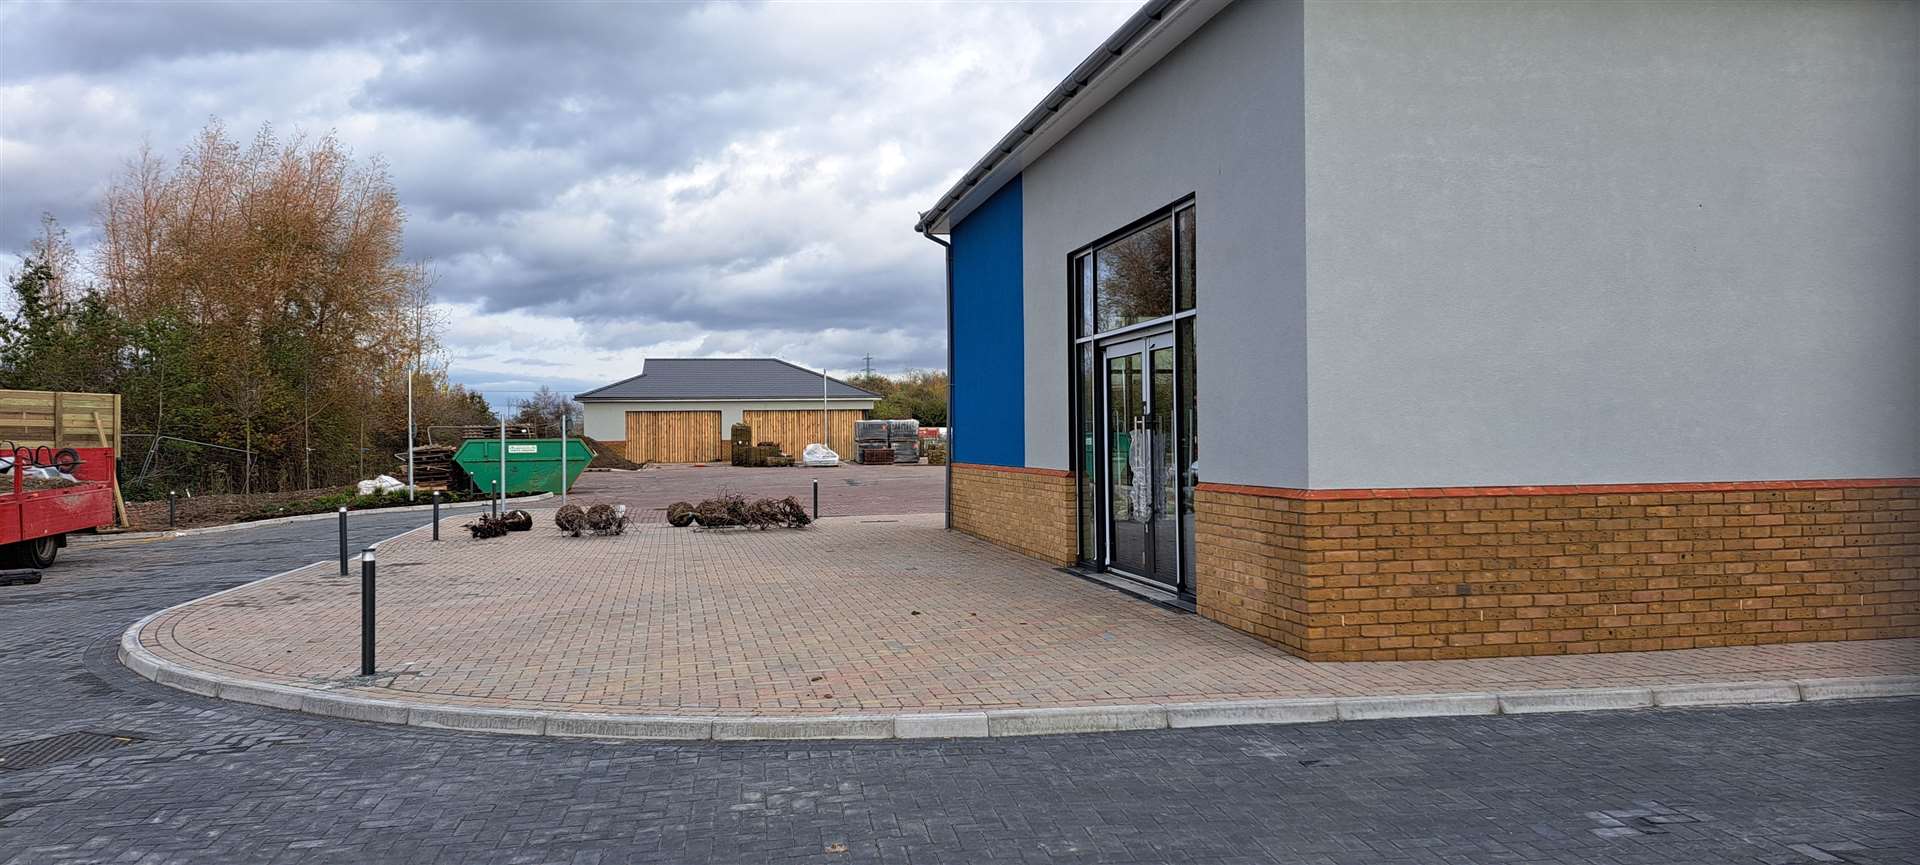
[{"x": 432, "y": 466}]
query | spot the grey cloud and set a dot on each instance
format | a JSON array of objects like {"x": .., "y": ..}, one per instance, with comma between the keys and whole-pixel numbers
[{"x": 698, "y": 177}]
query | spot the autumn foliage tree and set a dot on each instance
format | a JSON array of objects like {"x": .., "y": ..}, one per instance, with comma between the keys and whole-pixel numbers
[{"x": 261, "y": 303}]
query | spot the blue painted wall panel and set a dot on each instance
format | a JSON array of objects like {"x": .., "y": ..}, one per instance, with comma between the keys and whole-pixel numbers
[{"x": 989, "y": 372}]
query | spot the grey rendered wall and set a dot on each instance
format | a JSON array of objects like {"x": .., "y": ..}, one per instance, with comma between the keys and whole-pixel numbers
[
  {"x": 1220, "y": 118},
  {"x": 1566, "y": 242},
  {"x": 607, "y": 421}
]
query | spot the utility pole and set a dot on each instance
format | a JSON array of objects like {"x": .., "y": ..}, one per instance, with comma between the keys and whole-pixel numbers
[{"x": 869, "y": 365}]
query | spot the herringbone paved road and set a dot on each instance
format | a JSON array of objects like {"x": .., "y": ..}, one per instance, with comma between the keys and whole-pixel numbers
[{"x": 216, "y": 782}]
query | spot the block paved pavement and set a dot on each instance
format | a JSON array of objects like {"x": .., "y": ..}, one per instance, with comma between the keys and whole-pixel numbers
[
  {"x": 854, "y": 615},
  {"x": 219, "y": 782}
]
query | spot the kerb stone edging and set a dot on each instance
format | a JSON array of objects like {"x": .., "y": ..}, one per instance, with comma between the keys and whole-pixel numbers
[{"x": 991, "y": 723}]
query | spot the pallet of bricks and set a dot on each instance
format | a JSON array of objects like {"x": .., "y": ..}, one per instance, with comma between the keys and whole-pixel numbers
[
  {"x": 740, "y": 450},
  {"x": 887, "y": 442},
  {"x": 870, "y": 446},
  {"x": 904, "y": 436}
]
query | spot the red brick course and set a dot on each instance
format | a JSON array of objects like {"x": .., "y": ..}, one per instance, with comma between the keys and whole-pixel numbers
[
  {"x": 1027, "y": 510},
  {"x": 1495, "y": 572}
]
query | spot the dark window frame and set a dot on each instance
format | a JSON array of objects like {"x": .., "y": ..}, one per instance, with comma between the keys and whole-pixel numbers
[{"x": 1078, "y": 343}]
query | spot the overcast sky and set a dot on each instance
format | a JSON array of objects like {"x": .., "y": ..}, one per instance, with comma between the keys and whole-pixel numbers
[{"x": 592, "y": 183}]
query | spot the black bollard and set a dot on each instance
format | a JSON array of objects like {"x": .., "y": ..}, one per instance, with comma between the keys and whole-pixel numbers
[
  {"x": 343, "y": 540},
  {"x": 170, "y": 502},
  {"x": 436, "y": 515},
  {"x": 816, "y": 498},
  {"x": 493, "y": 494},
  {"x": 366, "y": 612}
]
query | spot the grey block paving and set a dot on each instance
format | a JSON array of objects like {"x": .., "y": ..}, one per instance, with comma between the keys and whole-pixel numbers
[{"x": 224, "y": 782}]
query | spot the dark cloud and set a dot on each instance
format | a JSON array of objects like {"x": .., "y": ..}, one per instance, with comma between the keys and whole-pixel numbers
[{"x": 590, "y": 182}]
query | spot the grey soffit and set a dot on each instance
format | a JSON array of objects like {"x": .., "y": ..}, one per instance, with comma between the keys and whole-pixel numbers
[{"x": 723, "y": 378}]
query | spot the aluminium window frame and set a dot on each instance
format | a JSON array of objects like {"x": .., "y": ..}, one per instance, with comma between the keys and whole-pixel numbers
[{"x": 1078, "y": 343}]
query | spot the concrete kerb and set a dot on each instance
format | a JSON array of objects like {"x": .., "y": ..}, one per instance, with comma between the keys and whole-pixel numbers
[
  {"x": 994, "y": 723},
  {"x": 169, "y": 534},
  {"x": 342, "y": 703}
]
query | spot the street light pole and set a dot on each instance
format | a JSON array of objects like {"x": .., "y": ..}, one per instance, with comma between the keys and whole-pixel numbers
[{"x": 409, "y": 432}]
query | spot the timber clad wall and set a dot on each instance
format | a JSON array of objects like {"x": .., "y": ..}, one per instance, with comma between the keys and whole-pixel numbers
[
  {"x": 1030, "y": 511},
  {"x": 793, "y": 430},
  {"x": 1460, "y": 574},
  {"x": 673, "y": 436}
]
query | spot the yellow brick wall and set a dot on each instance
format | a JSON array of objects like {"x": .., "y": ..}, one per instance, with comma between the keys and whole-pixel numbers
[
  {"x": 1030, "y": 511},
  {"x": 1468, "y": 575}
]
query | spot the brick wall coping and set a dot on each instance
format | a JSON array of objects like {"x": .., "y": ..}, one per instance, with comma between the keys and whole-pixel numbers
[
  {"x": 1552, "y": 489},
  {"x": 1052, "y": 473}
]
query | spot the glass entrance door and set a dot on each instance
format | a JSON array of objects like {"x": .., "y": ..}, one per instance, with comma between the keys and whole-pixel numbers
[{"x": 1141, "y": 485}]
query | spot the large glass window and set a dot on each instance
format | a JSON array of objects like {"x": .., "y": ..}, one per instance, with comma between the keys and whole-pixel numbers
[
  {"x": 1183, "y": 260},
  {"x": 1133, "y": 278},
  {"x": 1134, "y": 303},
  {"x": 1083, "y": 290}
]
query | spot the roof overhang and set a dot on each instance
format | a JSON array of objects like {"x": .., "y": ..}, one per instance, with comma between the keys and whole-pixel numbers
[
  {"x": 1152, "y": 33},
  {"x": 686, "y": 399}
]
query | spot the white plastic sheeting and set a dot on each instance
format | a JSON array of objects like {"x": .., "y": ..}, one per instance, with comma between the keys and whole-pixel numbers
[
  {"x": 382, "y": 484},
  {"x": 819, "y": 456}
]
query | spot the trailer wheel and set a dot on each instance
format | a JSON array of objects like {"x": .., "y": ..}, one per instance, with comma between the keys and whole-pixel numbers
[{"x": 38, "y": 553}]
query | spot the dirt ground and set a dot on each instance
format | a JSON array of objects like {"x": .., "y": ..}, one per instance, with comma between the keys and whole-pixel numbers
[
  {"x": 845, "y": 490},
  {"x": 214, "y": 510}
]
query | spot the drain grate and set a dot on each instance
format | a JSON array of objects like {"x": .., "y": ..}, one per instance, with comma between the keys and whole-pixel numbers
[{"x": 53, "y": 749}]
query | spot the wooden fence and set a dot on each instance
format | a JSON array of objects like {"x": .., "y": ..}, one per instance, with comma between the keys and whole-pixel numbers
[
  {"x": 63, "y": 419},
  {"x": 60, "y": 419}
]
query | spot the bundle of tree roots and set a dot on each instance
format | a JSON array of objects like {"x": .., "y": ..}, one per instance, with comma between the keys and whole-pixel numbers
[
  {"x": 488, "y": 526},
  {"x": 517, "y": 521},
  {"x": 599, "y": 519},
  {"x": 607, "y": 519},
  {"x": 731, "y": 510}
]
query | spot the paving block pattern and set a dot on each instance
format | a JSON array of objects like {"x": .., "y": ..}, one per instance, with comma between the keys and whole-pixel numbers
[
  {"x": 211, "y": 781},
  {"x": 862, "y": 615},
  {"x": 1460, "y": 574}
]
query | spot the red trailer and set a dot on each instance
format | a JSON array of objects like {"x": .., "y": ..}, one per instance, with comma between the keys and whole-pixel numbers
[{"x": 34, "y": 523}]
